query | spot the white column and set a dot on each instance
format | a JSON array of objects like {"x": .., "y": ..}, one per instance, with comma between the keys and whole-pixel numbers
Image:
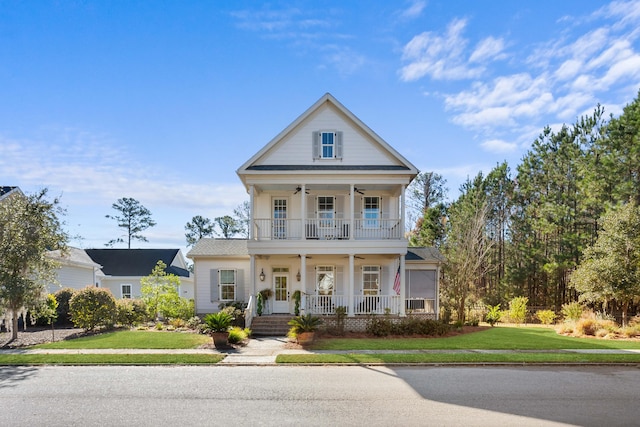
[
  {"x": 352, "y": 207},
  {"x": 251, "y": 212},
  {"x": 303, "y": 212},
  {"x": 252, "y": 274},
  {"x": 303, "y": 273},
  {"x": 403, "y": 211},
  {"x": 402, "y": 287},
  {"x": 350, "y": 310}
]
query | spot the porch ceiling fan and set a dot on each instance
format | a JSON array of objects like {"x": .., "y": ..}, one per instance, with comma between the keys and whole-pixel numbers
[
  {"x": 355, "y": 256},
  {"x": 299, "y": 189},
  {"x": 298, "y": 256},
  {"x": 359, "y": 190}
]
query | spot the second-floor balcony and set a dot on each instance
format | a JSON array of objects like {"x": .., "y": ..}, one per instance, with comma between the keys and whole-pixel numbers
[{"x": 327, "y": 229}]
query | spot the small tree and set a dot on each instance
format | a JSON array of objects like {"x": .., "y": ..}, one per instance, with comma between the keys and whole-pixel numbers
[
  {"x": 160, "y": 292},
  {"x": 518, "y": 309},
  {"x": 93, "y": 307},
  {"x": 133, "y": 217},
  {"x": 29, "y": 228},
  {"x": 242, "y": 216}
]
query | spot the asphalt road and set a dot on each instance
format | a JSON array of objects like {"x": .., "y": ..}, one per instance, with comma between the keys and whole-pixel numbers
[{"x": 314, "y": 396}]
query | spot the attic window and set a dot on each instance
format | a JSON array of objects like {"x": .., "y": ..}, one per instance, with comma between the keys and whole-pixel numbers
[{"x": 327, "y": 145}]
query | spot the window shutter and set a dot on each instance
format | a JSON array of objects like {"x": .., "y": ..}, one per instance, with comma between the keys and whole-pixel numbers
[
  {"x": 215, "y": 291},
  {"x": 240, "y": 296},
  {"x": 338, "y": 145},
  {"x": 316, "y": 144}
]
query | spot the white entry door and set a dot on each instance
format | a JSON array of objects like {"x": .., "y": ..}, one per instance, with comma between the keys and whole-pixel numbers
[{"x": 281, "y": 293}]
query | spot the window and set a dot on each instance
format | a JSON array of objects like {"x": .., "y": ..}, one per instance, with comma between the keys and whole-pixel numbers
[
  {"x": 279, "y": 218},
  {"x": 125, "y": 291},
  {"x": 327, "y": 145},
  {"x": 227, "y": 282},
  {"x": 325, "y": 282},
  {"x": 371, "y": 212},
  {"x": 326, "y": 211},
  {"x": 371, "y": 279}
]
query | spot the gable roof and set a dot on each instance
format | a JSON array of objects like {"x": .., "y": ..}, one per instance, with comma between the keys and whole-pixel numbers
[
  {"x": 135, "y": 262},
  {"x": 219, "y": 247},
  {"x": 429, "y": 254},
  {"x": 5, "y": 191},
  {"x": 74, "y": 256},
  {"x": 253, "y": 164}
]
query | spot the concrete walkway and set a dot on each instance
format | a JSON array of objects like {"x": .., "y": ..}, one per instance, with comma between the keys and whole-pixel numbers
[{"x": 263, "y": 351}]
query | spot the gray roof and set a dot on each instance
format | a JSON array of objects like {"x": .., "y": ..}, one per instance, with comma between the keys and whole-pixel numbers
[
  {"x": 135, "y": 262},
  {"x": 424, "y": 254},
  {"x": 219, "y": 247},
  {"x": 74, "y": 256}
]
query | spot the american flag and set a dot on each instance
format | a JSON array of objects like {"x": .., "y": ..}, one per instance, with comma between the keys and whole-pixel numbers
[{"x": 396, "y": 282}]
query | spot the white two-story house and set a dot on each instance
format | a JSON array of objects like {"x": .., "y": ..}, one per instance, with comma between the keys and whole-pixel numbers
[{"x": 327, "y": 198}]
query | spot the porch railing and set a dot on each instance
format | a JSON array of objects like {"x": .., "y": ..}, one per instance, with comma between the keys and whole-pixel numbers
[
  {"x": 367, "y": 304},
  {"x": 326, "y": 229}
]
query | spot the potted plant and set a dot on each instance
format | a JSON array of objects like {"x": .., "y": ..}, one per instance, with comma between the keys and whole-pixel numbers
[
  {"x": 218, "y": 327},
  {"x": 304, "y": 328},
  {"x": 265, "y": 294}
]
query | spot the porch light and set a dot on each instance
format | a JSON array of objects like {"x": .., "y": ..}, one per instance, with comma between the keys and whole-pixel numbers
[
  {"x": 262, "y": 276},
  {"x": 298, "y": 276}
]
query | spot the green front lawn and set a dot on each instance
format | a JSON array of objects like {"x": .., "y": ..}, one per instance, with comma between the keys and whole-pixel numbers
[
  {"x": 498, "y": 338},
  {"x": 132, "y": 339},
  {"x": 458, "y": 358},
  {"x": 110, "y": 359}
]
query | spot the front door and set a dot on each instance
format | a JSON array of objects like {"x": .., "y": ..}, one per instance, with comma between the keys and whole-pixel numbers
[{"x": 281, "y": 293}]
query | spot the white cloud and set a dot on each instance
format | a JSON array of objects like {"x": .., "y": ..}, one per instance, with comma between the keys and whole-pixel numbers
[
  {"x": 414, "y": 10},
  {"x": 499, "y": 146},
  {"x": 489, "y": 48},
  {"x": 439, "y": 56}
]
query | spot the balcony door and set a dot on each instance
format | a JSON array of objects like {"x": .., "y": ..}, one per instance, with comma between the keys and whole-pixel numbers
[{"x": 279, "y": 220}]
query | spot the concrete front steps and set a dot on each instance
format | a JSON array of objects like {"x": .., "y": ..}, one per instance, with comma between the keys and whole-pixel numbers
[{"x": 270, "y": 325}]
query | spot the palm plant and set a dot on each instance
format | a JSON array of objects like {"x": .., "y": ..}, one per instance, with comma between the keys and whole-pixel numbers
[{"x": 218, "y": 322}]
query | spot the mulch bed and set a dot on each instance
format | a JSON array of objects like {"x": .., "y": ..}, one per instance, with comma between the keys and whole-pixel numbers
[{"x": 38, "y": 335}]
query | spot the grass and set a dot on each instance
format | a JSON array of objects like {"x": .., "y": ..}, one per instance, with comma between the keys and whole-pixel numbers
[
  {"x": 458, "y": 358},
  {"x": 132, "y": 339},
  {"x": 498, "y": 338},
  {"x": 110, "y": 359}
]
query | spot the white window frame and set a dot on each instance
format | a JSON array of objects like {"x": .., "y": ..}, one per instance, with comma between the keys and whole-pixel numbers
[
  {"x": 329, "y": 145},
  {"x": 322, "y": 271},
  {"x": 126, "y": 295},
  {"x": 373, "y": 271},
  {"x": 223, "y": 286}
]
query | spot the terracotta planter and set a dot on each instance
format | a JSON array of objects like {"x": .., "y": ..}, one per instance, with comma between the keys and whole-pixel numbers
[
  {"x": 220, "y": 339},
  {"x": 306, "y": 338}
]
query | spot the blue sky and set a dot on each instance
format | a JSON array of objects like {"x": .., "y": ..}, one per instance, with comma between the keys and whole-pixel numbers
[{"x": 163, "y": 100}]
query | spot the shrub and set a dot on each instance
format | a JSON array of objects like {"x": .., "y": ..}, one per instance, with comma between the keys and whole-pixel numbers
[
  {"x": 182, "y": 308},
  {"x": 218, "y": 322},
  {"x": 494, "y": 314},
  {"x": 546, "y": 317},
  {"x": 305, "y": 323},
  {"x": 380, "y": 326},
  {"x": 414, "y": 325},
  {"x": 93, "y": 307},
  {"x": 586, "y": 327},
  {"x": 131, "y": 312},
  {"x": 572, "y": 311},
  {"x": 237, "y": 335},
  {"x": 631, "y": 331},
  {"x": 63, "y": 296},
  {"x": 194, "y": 322},
  {"x": 518, "y": 309},
  {"x": 177, "y": 323}
]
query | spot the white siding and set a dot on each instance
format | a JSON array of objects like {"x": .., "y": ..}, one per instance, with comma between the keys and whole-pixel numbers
[
  {"x": 358, "y": 148},
  {"x": 205, "y": 303},
  {"x": 73, "y": 277}
]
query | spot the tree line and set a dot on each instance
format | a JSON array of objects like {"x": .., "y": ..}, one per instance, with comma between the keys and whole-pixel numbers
[{"x": 525, "y": 232}]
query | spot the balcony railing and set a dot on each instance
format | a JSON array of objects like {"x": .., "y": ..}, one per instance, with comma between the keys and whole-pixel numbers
[{"x": 327, "y": 229}]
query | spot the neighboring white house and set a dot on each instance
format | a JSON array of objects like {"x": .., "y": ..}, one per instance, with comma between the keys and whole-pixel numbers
[
  {"x": 327, "y": 214},
  {"x": 123, "y": 269},
  {"x": 77, "y": 270}
]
